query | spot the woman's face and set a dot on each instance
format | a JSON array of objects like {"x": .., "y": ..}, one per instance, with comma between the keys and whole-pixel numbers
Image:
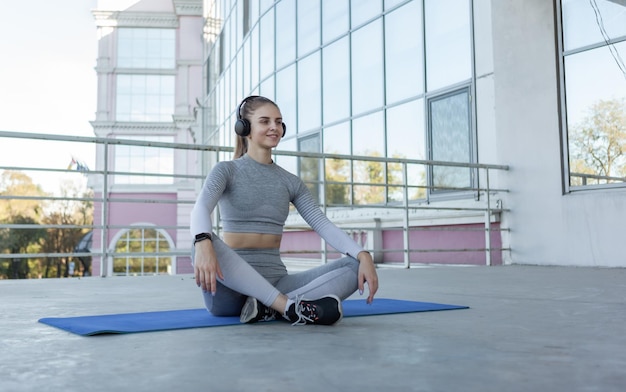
[{"x": 266, "y": 126}]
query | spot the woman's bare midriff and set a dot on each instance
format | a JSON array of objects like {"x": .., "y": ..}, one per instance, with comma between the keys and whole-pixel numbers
[{"x": 252, "y": 240}]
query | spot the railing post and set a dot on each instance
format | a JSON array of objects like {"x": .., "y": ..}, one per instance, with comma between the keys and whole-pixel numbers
[
  {"x": 488, "y": 221},
  {"x": 324, "y": 208},
  {"x": 405, "y": 229},
  {"x": 104, "y": 262}
]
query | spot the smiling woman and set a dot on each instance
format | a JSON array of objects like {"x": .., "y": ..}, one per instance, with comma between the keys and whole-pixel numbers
[{"x": 243, "y": 273}]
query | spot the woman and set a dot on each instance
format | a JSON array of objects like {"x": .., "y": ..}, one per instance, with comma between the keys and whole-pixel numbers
[{"x": 243, "y": 273}]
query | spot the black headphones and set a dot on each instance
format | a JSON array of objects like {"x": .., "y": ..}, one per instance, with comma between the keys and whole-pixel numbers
[{"x": 242, "y": 126}]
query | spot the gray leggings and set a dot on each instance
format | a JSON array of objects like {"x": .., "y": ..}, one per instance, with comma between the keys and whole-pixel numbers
[{"x": 260, "y": 273}]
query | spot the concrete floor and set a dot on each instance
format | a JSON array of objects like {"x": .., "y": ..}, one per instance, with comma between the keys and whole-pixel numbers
[{"x": 528, "y": 329}]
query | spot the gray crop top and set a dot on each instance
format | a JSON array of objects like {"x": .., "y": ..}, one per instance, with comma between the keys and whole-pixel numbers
[{"x": 254, "y": 198}]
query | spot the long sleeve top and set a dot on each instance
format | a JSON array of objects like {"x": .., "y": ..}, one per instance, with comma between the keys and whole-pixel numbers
[{"x": 254, "y": 198}]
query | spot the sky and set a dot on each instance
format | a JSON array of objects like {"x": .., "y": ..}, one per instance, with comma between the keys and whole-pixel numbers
[{"x": 48, "y": 83}]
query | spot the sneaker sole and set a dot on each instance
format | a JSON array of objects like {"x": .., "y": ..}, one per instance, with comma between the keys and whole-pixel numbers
[{"x": 249, "y": 311}]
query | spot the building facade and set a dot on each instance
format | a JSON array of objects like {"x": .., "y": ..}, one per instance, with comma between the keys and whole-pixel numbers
[
  {"x": 537, "y": 86},
  {"x": 149, "y": 70}
]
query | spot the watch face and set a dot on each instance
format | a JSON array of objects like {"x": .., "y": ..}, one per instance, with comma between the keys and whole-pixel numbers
[{"x": 203, "y": 236}]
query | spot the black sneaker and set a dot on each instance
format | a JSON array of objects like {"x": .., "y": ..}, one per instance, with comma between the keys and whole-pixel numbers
[
  {"x": 324, "y": 311},
  {"x": 254, "y": 311}
]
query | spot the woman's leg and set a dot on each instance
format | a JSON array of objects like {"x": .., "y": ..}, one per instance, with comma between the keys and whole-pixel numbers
[
  {"x": 339, "y": 277},
  {"x": 240, "y": 281}
]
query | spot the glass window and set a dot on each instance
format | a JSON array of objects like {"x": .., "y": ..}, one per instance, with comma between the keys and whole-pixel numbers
[
  {"x": 404, "y": 64},
  {"x": 367, "y": 68},
  {"x": 265, "y": 4},
  {"x": 309, "y": 93},
  {"x": 368, "y": 135},
  {"x": 286, "y": 96},
  {"x": 140, "y": 160},
  {"x": 254, "y": 11},
  {"x": 145, "y": 98},
  {"x": 254, "y": 58},
  {"x": 596, "y": 117},
  {"x": 247, "y": 66},
  {"x": 335, "y": 19},
  {"x": 245, "y": 17},
  {"x": 267, "y": 88},
  {"x": 596, "y": 101},
  {"x": 592, "y": 22},
  {"x": 142, "y": 241},
  {"x": 389, "y": 4},
  {"x": 146, "y": 48},
  {"x": 285, "y": 33},
  {"x": 308, "y": 26},
  {"x": 450, "y": 139},
  {"x": 225, "y": 38},
  {"x": 362, "y": 11},
  {"x": 406, "y": 139},
  {"x": 337, "y": 141},
  {"x": 267, "y": 44},
  {"x": 336, "y": 58},
  {"x": 310, "y": 167},
  {"x": 368, "y": 139},
  {"x": 287, "y": 162},
  {"x": 448, "y": 43}
]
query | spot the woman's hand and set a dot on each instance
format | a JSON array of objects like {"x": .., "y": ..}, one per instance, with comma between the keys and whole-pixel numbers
[
  {"x": 367, "y": 273},
  {"x": 206, "y": 267}
]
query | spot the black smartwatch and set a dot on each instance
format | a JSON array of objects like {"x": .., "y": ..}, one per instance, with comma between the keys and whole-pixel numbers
[{"x": 202, "y": 237}]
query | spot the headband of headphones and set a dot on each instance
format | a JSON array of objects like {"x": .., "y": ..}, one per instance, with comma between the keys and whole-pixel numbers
[{"x": 242, "y": 125}]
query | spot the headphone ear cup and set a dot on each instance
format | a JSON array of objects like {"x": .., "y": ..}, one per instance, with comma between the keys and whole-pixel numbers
[
  {"x": 242, "y": 127},
  {"x": 284, "y": 129}
]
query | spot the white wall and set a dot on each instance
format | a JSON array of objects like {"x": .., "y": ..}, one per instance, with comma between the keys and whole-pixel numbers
[{"x": 547, "y": 226}]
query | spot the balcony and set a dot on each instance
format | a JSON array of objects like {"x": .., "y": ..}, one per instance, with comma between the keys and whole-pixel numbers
[{"x": 136, "y": 222}]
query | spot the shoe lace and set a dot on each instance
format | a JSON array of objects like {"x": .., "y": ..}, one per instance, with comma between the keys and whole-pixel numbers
[{"x": 305, "y": 312}]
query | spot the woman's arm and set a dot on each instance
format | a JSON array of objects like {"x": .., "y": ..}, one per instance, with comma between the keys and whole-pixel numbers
[
  {"x": 338, "y": 239},
  {"x": 212, "y": 190}
]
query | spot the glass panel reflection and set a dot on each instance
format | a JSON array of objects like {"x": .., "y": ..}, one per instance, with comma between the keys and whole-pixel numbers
[
  {"x": 404, "y": 65},
  {"x": 367, "y": 68},
  {"x": 591, "y": 22},
  {"x": 596, "y": 117},
  {"x": 309, "y": 93},
  {"x": 450, "y": 139},
  {"x": 448, "y": 42},
  {"x": 310, "y": 167},
  {"x": 336, "y": 81},
  {"x": 335, "y": 19},
  {"x": 308, "y": 26}
]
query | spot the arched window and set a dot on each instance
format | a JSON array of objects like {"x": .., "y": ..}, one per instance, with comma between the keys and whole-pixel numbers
[{"x": 143, "y": 246}]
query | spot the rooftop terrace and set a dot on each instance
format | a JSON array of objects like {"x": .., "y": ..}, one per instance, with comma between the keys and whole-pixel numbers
[{"x": 528, "y": 329}]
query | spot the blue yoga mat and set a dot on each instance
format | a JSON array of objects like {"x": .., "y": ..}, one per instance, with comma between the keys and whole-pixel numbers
[{"x": 198, "y": 318}]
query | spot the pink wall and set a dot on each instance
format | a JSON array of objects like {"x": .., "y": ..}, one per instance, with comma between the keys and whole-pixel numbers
[
  {"x": 129, "y": 213},
  {"x": 471, "y": 236}
]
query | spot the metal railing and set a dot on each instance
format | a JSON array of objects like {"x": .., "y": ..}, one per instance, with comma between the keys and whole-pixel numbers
[{"x": 403, "y": 214}]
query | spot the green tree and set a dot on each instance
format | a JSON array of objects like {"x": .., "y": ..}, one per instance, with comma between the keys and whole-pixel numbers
[
  {"x": 63, "y": 239},
  {"x": 338, "y": 172},
  {"x": 26, "y": 212},
  {"x": 370, "y": 173},
  {"x": 17, "y": 241},
  {"x": 598, "y": 142},
  {"x": 14, "y": 183}
]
